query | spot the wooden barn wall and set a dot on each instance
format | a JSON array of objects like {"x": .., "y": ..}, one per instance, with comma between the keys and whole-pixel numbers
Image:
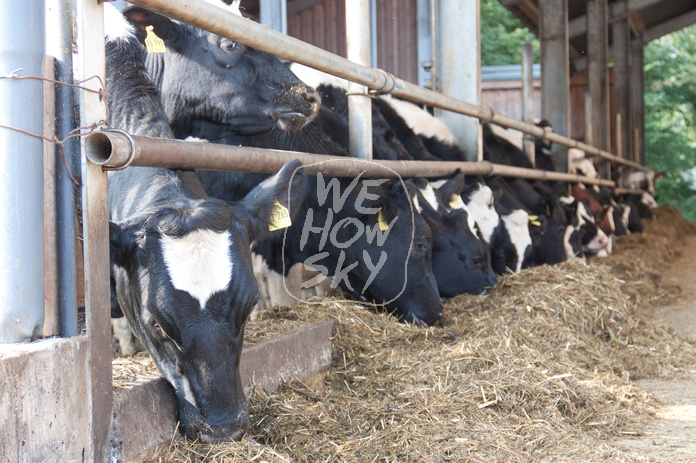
[
  {"x": 505, "y": 96},
  {"x": 323, "y": 24}
]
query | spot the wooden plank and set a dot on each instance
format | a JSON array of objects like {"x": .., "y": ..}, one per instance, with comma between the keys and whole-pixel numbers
[
  {"x": 553, "y": 32},
  {"x": 91, "y": 62},
  {"x": 622, "y": 76}
]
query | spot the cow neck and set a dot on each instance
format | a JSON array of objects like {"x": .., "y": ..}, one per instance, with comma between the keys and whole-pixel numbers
[{"x": 154, "y": 62}]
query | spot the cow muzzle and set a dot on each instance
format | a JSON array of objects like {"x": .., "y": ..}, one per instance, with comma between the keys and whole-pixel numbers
[{"x": 302, "y": 105}]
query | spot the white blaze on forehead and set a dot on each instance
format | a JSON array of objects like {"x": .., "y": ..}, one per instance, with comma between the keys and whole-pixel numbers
[
  {"x": 469, "y": 216},
  {"x": 116, "y": 26},
  {"x": 199, "y": 263},
  {"x": 430, "y": 196},
  {"x": 483, "y": 211},
  {"x": 420, "y": 121},
  {"x": 416, "y": 204},
  {"x": 517, "y": 225}
]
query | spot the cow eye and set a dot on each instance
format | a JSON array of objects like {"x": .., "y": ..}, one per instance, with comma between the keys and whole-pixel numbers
[
  {"x": 422, "y": 245},
  {"x": 228, "y": 45}
]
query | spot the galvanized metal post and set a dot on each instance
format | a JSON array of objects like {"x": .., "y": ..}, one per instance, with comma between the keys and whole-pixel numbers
[
  {"x": 425, "y": 43},
  {"x": 21, "y": 172},
  {"x": 637, "y": 92},
  {"x": 528, "y": 97},
  {"x": 458, "y": 67},
  {"x": 59, "y": 35},
  {"x": 89, "y": 26},
  {"x": 622, "y": 76},
  {"x": 274, "y": 14},
  {"x": 359, "y": 103},
  {"x": 555, "y": 75}
]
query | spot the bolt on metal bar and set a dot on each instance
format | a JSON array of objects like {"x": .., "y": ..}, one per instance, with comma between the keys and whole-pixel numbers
[
  {"x": 117, "y": 149},
  {"x": 220, "y": 21}
]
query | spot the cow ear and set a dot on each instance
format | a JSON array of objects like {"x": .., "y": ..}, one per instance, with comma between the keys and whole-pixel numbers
[
  {"x": 453, "y": 186},
  {"x": 162, "y": 27},
  {"x": 122, "y": 244},
  {"x": 275, "y": 202}
]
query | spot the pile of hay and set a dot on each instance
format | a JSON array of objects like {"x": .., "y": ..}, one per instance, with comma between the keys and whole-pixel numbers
[{"x": 536, "y": 370}]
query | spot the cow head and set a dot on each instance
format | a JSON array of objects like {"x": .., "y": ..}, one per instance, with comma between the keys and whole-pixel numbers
[
  {"x": 204, "y": 77},
  {"x": 365, "y": 234},
  {"x": 461, "y": 263},
  {"x": 184, "y": 280}
]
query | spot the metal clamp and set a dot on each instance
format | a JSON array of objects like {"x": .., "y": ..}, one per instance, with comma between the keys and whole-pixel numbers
[
  {"x": 389, "y": 84},
  {"x": 490, "y": 118}
]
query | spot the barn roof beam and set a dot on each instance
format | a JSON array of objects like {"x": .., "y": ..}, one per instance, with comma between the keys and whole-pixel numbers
[
  {"x": 670, "y": 26},
  {"x": 578, "y": 26}
]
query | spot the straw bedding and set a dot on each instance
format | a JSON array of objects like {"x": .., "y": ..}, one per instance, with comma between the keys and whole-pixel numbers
[{"x": 538, "y": 369}]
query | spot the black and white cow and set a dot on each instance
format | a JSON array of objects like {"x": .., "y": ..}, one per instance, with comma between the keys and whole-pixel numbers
[{"x": 181, "y": 265}]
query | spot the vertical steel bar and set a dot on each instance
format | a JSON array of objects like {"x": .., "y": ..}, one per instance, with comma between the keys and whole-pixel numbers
[
  {"x": 89, "y": 27},
  {"x": 274, "y": 14},
  {"x": 637, "y": 93},
  {"x": 359, "y": 103},
  {"x": 528, "y": 97},
  {"x": 373, "y": 34},
  {"x": 59, "y": 36},
  {"x": 622, "y": 76},
  {"x": 555, "y": 74},
  {"x": 425, "y": 44},
  {"x": 51, "y": 326},
  {"x": 21, "y": 172},
  {"x": 458, "y": 52}
]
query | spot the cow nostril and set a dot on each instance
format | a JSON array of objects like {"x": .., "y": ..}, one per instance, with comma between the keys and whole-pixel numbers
[{"x": 311, "y": 96}]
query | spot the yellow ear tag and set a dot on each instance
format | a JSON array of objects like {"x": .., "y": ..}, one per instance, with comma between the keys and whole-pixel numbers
[
  {"x": 532, "y": 218},
  {"x": 153, "y": 43},
  {"x": 383, "y": 225},
  {"x": 535, "y": 222},
  {"x": 456, "y": 202},
  {"x": 280, "y": 217}
]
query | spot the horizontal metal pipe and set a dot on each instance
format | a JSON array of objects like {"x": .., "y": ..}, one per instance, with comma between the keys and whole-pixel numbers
[
  {"x": 628, "y": 191},
  {"x": 116, "y": 150},
  {"x": 222, "y": 22}
]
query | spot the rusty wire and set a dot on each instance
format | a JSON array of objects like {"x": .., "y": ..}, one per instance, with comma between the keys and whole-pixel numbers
[{"x": 73, "y": 133}]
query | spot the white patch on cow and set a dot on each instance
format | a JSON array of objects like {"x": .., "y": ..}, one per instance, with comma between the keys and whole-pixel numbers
[
  {"x": 517, "y": 225},
  {"x": 648, "y": 200},
  {"x": 417, "y": 205},
  {"x": 430, "y": 196},
  {"x": 583, "y": 215},
  {"x": 566, "y": 200},
  {"x": 420, "y": 121},
  {"x": 199, "y": 263},
  {"x": 123, "y": 333},
  {"x": 513, "y": 136},
  {"x": 624, "y": 217},
  {"x": 188, "y": 393},
  {"x": 196, "y": 139},
  {"x": 437, "y": 184},
  {"x": 481, "y": 208},
  {"x": 232, "y": 8},
  {"x": 116, "y": 26},
  {"x": 570, "y": 253},
  {"x": 598, "y": 243},
  {"x": 315, "y": 78}
]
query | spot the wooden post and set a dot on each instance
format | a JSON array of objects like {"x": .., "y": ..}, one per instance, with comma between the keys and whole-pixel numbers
[
  {"x": 90, "y": 61},
  {"x": 458, "y": 67},
  {"x": 555, "y": 76},
  {"x": 528, "y": 97},
  {"x": 637, "y": 92},
  {"x": 622, "y": 78},
  {"x": 589, "y": 129}
]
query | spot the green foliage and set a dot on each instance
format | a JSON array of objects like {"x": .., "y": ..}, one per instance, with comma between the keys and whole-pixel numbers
[
  {"x": 502, "y": 35},
  {"x": 670, "y": 117}
]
